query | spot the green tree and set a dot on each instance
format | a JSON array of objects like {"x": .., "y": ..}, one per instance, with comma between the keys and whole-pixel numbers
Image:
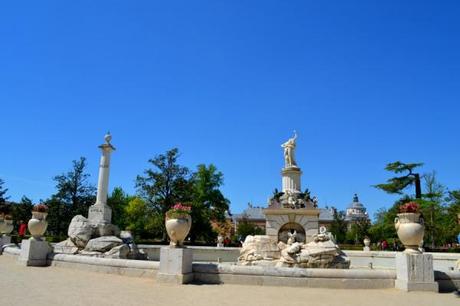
[
  {"x": 22, "y": 210},
  {"x": 396, "y": 185},
  {"x": 338, "y": 226},
  {"x": 3, "y": 192},
  {"x": 246, "y": 228},
  {"x": 73, "y": 197},
  {"x": 358, "y": 231},
  {"x": 138, "y": 215},
  {"x": 208, "y": 202},
  {"x": 4, "y": 208},
  {"x": 118, "y": 201},
  {"x": 384, "y": 227},
  {"x": 433, "y": 210},
  {"x": 452, "y": 226},
  {"x": 164, "y": 185}
]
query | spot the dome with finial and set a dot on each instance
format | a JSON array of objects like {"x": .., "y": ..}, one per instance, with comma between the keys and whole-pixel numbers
[
  {"x": 356, "y": 210},
  {"x": 356, "y": 204}
]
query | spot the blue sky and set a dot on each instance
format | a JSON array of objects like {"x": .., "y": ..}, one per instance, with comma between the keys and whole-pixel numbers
[{"x": 364, "y": 83}]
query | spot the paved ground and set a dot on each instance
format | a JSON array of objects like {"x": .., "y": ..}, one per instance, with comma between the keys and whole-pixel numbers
[{"x": 60, "y": 286}]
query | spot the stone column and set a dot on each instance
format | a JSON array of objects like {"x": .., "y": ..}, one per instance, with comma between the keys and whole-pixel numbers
[{"x": 100, "y": 212}]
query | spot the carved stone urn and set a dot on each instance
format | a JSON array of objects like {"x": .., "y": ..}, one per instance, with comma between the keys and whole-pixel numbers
[
  {"x": 220, "y": 241},
  {"x": 6, "y": 226},
  {"x": 37, "y": 224},
  {"x": 177, "y": 229},
  {"x": 410, "y": 228},
  {"x": 367, "y": 243}
]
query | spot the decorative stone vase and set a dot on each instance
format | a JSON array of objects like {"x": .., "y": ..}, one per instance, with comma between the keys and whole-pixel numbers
[
  {"x": 178, "y": 229},
  {"x": 6, "y": 227},
  {"x": 367, "y": 242},
  {"x": 220, "y": 241},
  {"x": 410, "y": 228},
  {"x": 38, "y": 224}
]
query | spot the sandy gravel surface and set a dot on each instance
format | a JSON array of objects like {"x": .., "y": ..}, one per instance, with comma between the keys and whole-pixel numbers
[{"x": 61, "y": 286}]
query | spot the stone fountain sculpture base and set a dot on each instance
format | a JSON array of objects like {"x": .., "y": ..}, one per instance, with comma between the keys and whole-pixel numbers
[
  {"x": 322, "y": 252},
  {"x": 98, "y": 240}
]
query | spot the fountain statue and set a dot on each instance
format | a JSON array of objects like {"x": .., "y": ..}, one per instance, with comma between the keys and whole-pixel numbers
[{"x": 293, "y": 237}]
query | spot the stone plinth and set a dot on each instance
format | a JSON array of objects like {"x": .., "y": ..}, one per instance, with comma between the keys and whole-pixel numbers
[
  {"x": 414, "y": 272},
  {"x": 175, "y": 265},
  {"x": 4, "y": 240},
  {"x": 291, "y": 179},
  {"x": 34, "y": 252},
  {"x": 99, "y": 213}
]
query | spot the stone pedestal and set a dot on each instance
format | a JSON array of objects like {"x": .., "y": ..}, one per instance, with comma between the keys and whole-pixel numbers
[
  {"x": 175, "y": 265},
  {"x": 291, "y": 179},
  {"x": 99, "y": 213},
  {"x": 366, "y": 249},
  {"x": 4, "y": 240},
  {"x": 34, "y": 252},
  {"x": 414, "y": 272}
]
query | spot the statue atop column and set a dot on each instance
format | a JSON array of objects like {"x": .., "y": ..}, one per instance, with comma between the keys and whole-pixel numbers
[{"x": 289, "y": 151}]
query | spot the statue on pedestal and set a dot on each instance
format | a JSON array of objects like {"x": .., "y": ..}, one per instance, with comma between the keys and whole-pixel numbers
[{"x": 289, "y": 151}]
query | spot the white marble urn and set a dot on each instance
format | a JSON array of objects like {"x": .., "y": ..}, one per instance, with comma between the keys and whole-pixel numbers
[
  {"x": 410, "y": 228},
  {"x": 6, "y": 226},
  {"x": 37, "y": 224},
  {"x": 177, "y": 229},
  {"x": 220, "y": 241},
  {"x": 367, "y": 242}
]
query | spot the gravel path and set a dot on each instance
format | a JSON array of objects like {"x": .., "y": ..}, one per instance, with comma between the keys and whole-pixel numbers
[{"x": 66, "y": 287}]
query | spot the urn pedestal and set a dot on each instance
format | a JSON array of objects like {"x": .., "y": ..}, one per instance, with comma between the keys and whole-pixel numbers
[
  {"x": 175, "y": 265},
  {"x": 4, "y": 240},
  {"x": 414, "y": 272},
  {"x": 34, "y": 252}
]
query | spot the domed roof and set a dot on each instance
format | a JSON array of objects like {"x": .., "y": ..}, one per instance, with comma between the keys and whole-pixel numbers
[{"x": 356, "y": 204}]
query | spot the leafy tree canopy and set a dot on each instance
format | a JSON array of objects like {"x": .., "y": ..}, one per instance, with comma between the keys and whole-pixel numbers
[{"x": 396, "y": 185}]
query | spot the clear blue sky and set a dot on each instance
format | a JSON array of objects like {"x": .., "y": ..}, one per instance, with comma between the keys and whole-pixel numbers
[{"x": 363, "y": 82}]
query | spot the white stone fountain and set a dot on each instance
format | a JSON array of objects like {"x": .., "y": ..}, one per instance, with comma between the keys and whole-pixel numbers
[{"x": 292, "y": 238}]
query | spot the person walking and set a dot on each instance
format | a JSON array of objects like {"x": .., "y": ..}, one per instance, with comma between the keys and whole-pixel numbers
[{"x": 22, "y": 229}]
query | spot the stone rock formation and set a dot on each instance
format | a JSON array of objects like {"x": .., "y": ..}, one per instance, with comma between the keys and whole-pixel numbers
[
  {"x": 66, "y": 247},
  {"x": 86, "y": 238},
  {"x": 80, "y": 231},
  {"x": 259, "y": 249},
  {"x": 103, "y": 244}
]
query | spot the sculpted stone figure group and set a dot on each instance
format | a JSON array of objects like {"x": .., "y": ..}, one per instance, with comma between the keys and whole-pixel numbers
[
  {"x": 322, "y": 252},
  {"x": 289, "y": 151}
]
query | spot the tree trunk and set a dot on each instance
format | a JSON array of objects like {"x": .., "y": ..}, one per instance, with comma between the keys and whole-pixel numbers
[{"x": 418, "y": 188}]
